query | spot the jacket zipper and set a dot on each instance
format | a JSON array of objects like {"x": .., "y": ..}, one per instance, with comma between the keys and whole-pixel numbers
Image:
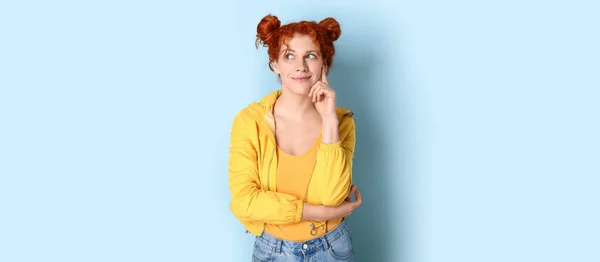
[
  {"x": 269, "y": 171},
  {"x": 268, "y": 180}
]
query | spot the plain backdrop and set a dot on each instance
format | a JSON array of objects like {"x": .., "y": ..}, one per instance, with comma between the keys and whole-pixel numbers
[{"x": 477, "y": 126}]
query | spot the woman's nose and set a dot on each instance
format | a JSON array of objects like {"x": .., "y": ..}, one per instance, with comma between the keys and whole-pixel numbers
[{"x": 301, "y": 66}]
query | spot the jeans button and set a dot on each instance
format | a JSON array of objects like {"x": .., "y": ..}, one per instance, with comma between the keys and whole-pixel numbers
[{"x": 305, "y": 246}]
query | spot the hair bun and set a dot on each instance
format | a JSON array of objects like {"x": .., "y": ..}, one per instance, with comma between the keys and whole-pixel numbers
[
  {"x": 265, "y": 29},
  {"x": 332, "y": 27}
]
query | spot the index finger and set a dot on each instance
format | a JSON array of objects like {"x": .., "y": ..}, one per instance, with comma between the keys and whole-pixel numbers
[
  {"x": 358, "y": 200},
  {"x": 324, "y": 75}
]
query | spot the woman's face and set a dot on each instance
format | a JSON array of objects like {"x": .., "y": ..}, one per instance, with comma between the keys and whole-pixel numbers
[{"x": 299, "y": 64}]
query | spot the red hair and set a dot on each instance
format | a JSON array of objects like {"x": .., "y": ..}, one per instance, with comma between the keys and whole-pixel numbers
[{"x": 270, "y": 33}]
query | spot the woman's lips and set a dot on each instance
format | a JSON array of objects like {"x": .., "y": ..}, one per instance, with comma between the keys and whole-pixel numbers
[{"x": 301, "y": 79}]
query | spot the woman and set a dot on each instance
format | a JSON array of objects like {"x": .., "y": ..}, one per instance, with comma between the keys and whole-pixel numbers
[{"x": 290, "y": 165}]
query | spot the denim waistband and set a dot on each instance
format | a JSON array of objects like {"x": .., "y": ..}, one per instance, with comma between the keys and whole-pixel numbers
[{"x": 319, "y": 243}]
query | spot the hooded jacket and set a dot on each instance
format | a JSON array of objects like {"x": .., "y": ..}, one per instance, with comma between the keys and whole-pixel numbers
[{"x": 253, "y": 166}]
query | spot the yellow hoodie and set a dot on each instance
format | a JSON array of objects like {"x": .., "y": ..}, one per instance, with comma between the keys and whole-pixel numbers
[{"x": 253, "y": 165}]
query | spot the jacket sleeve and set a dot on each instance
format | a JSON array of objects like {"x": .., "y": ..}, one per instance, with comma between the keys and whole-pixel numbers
[
  {"x": 333, "y": 171},
  {"x": 248, "y": 200}
]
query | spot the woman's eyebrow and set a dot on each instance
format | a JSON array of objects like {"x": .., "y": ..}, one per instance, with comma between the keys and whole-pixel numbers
[{"x": 292, "y": 50}]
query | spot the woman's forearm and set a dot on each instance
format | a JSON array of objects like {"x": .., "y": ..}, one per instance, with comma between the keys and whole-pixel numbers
[
  {"x": 323, "y": 213},
  {"x": 317, "y": 212}
]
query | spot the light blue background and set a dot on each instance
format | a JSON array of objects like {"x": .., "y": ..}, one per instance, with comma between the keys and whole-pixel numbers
[{"x": 477, "y": 124}]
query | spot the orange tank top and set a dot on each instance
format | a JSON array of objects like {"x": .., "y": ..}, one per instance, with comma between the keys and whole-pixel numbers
[{"x": 293, "y": 177}]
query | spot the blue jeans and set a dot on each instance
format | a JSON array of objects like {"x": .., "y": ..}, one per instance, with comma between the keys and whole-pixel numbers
[{"x": 335, "y": 245}]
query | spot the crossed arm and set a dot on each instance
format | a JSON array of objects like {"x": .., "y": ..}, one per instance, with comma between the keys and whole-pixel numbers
[{"x": 333, "y": 176}]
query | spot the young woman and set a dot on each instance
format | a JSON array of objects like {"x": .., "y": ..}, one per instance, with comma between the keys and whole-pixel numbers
[{"x": 290, "y": 165}]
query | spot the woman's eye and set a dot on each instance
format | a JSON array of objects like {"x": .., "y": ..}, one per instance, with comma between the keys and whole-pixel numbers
[
  {"x": 312, "y": 56},
  {"x": 289, "y": 56}
]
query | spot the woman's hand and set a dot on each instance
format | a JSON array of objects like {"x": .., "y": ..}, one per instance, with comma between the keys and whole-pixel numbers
[
  {"x": 346, "y": 208},
  {"x": 323, "y": 97}
]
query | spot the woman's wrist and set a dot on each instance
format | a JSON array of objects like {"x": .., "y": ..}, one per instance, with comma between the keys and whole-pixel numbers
[
  {"x": 330, "y": 131},
  {"x": 330, "y": 120}
]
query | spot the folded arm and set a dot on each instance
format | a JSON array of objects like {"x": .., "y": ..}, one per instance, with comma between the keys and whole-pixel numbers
[{"x": 333, "y": 171}]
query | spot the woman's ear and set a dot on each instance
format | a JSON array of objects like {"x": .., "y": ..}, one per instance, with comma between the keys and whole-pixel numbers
[{"x": 275, "y": 66}]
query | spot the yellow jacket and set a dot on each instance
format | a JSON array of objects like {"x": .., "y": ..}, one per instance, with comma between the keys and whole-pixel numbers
[{"x": 253, "y": 166}]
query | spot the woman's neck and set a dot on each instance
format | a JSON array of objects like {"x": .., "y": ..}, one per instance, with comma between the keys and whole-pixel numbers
[{"x": 294, "y": 106}]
